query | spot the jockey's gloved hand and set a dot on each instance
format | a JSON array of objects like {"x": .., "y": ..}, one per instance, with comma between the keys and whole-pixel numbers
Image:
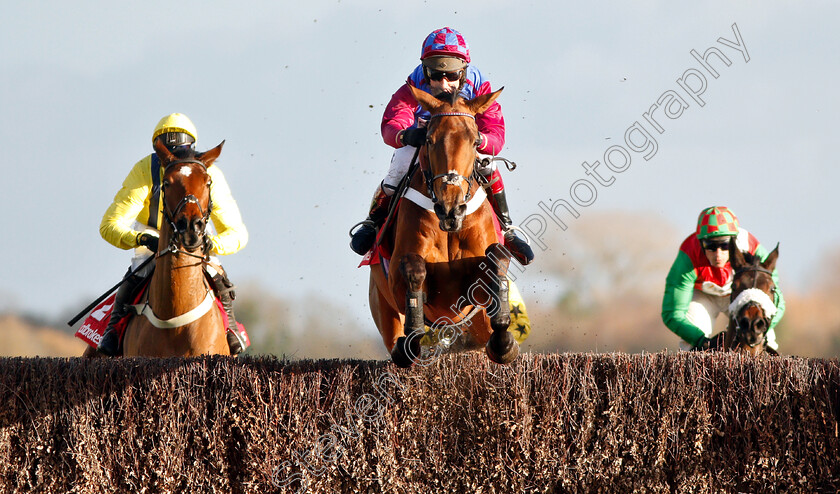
[
  {"x": 702, "y": 344},
  {"x": 479, "y": 140},
  {"x": 414, "y": 136},
  {"x": 148, "y": 240}
]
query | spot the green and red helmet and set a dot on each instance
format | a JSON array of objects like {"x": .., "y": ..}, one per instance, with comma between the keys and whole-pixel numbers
[{"x": 716, "y": 221}]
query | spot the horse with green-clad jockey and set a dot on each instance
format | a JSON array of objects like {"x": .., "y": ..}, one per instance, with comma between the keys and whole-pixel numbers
[{"x": 699, "y": 284}]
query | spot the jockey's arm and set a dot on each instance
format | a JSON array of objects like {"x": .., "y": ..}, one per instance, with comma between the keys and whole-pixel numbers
[
  {"x": 491, "y": 125},
  {"x": 231, "y": 234},
  {"x": 129, "y": 203},
  {"x": 778, "y": 298},
  {"x": 679, "y": 288},
  {"x": 398, "y": 116}
]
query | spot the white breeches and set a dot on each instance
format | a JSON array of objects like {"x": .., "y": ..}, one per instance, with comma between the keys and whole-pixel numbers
[
  {"x": 400, "y": 162},
  {"x": 704, "y": 309}
]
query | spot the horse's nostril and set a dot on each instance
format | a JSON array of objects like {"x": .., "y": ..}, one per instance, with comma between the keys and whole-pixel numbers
[{"x": 181, "y": 224}]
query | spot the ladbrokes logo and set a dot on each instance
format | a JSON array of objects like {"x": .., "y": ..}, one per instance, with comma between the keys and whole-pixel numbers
[{"x": 90, "y": 333}]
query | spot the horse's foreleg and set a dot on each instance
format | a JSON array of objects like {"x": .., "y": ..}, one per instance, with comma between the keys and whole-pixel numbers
[
  {"x": 407, "y": 349},
  {"x": 729, "y": 336},
  {"x": 90, "y": 352},
  {"x": 502, "y": 347}
]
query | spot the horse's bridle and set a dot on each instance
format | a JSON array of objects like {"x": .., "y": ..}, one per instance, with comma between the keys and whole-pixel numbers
[
  {"x": 448, "y": 178},
  {"x": 739, "y": 332},
  {"x": 177, "y": 236}
]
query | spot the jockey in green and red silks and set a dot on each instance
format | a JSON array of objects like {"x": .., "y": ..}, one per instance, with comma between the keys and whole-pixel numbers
[
  {"x": 444, "y": 69},
  {"x": 699, "y": 284}
]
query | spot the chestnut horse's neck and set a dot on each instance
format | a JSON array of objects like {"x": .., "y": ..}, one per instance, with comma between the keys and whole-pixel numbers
[{"x": 178, "y": 283}]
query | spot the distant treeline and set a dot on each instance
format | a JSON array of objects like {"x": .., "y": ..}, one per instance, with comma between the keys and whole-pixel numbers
[{"x": 549, "y": 423}]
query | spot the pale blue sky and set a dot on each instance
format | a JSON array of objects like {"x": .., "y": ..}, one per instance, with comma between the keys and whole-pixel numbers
[{"x": 297, "y": 89}]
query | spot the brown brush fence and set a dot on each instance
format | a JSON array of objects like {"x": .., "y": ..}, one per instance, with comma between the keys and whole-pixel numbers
[{"x": 549, "y": 423}]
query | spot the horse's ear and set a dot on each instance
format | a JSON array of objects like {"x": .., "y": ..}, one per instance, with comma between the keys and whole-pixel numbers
[
  {"x": 426, "y": 100},
  {"x": 770, "y": 263},
  {"x": 736, "y": 257},
  {"x": 162, "y": 152},
  {"x": 480, "y": 104},
  {"x": 211, "y": 155}
]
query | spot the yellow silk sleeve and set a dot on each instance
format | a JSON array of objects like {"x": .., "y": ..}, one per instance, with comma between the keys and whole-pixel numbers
[
  {"x": 231, "y": 234},
  {"x": 130, "y": 204}
]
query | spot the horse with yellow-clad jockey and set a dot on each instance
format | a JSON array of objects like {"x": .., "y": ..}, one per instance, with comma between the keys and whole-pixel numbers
[{"x": 134, "y": 219}]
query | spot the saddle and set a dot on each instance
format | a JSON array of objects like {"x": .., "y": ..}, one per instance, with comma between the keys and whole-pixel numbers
[{"x": 93, "y": 328}]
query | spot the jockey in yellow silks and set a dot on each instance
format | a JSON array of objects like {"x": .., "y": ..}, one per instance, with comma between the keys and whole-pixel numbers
[{"x": 133, "y": 219}]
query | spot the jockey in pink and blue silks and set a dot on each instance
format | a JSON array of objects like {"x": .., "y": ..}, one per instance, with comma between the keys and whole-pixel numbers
[
  {"x": 699, "y": 284},
  {"x": 444, "y": 70}
]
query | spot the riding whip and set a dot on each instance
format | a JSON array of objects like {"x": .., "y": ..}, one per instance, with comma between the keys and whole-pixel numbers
[{"x": 106, "y": 294}]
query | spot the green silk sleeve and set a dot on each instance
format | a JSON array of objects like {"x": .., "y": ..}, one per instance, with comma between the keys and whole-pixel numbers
[
  {"x": 679, "y": 288},
  {"x": 778, "y": 298}
]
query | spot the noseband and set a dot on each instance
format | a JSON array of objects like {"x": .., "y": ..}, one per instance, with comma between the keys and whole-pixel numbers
[
  {"x": 178, "y": 234},
  {"x": 448, "y": 178},
  {"x": 740, "y": 333}
]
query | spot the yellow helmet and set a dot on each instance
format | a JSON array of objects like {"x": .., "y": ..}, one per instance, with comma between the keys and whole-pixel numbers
[{"x": 175, "y": 122}]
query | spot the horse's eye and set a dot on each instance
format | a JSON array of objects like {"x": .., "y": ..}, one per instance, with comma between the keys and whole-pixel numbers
[{"x": 165, "y": 184}]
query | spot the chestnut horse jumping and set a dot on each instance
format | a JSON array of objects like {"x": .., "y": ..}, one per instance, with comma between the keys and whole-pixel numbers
[
  {"x": 179, "y": 317},
  {"x": 446, "y": 256},
  {"x": 752, "y": 301}
]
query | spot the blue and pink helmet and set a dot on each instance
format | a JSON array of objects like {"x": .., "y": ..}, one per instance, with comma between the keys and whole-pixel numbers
[{"x": 445, "y": 42}]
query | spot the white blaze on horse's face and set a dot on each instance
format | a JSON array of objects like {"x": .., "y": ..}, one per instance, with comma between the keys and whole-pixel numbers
[{"x": 185, "y": 171}]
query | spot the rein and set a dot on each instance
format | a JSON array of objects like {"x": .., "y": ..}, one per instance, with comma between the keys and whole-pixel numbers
[{"x": 448, "y": 178}]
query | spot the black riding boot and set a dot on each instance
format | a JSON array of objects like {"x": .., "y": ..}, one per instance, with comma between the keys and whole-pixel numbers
[
  {"x": 110, "y": 344},
  {"x": 363, "y": 239},
  {"x": 517, "y": 247},
  {"x": 226, "y": 294}
]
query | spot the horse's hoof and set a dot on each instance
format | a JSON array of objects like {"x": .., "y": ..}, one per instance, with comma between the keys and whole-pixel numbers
[
  {"x": 405, "y": 351},
  {"x": 502, "y": 348}
]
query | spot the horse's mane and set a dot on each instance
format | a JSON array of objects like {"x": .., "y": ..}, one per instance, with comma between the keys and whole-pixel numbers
[
  {"x": 450, "y": 98},
  {"x": 185, "y": 153},
  {"x": 751, "y": 260}
]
